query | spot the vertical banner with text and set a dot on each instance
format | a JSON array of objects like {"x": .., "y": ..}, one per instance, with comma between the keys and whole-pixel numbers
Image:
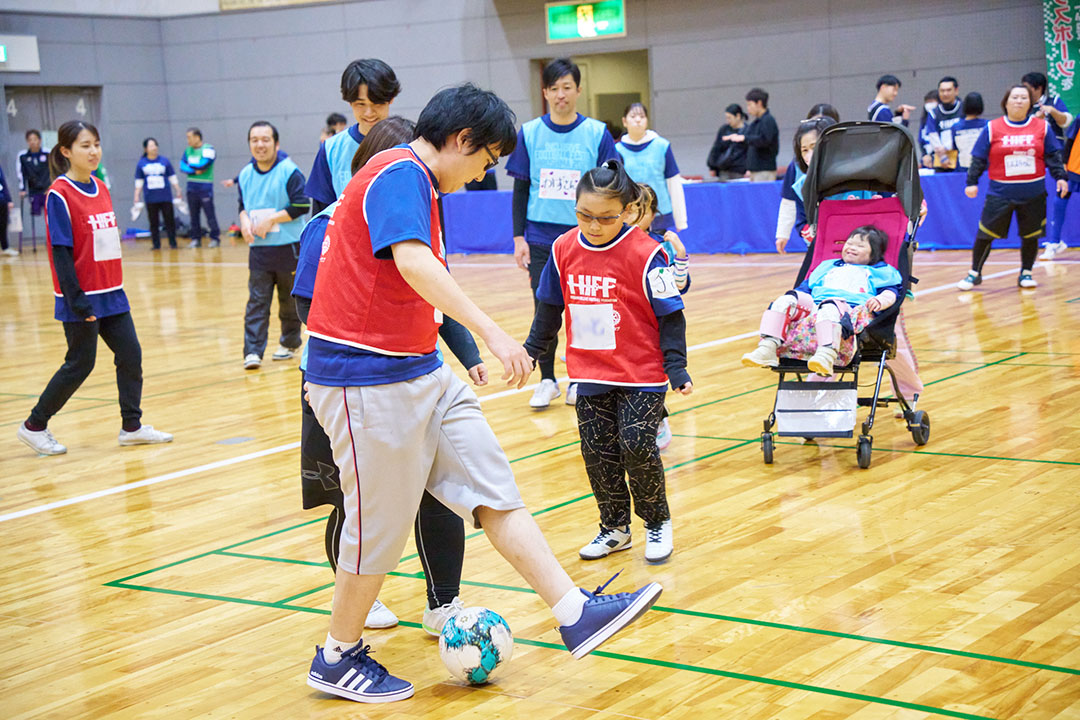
[{"x": 1061, "y": 20}]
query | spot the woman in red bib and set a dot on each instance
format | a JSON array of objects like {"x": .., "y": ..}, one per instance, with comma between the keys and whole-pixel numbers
[
  {"x": 626, "y": 339},
  {"x": 84, "y": 255}
]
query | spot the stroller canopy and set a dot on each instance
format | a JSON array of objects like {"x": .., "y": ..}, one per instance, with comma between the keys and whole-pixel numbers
[{"x": 862, "y": 155}]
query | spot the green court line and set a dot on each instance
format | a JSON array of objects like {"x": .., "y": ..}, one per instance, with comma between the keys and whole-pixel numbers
[
  {"x": 944, "y": 454},
  {"x": 545, "y": 452},
  {"x": 723, "y": 399},
  {"x": 965, "y": 372},
  {"x": 291, "y": 598},
  {"x": 274, "y": 559},
  {"x": 1076, "y": 299}
]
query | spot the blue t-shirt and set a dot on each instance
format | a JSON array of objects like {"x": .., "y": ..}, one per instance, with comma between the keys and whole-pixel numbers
[
  {"x": 155, "y": 175},
  {"x": 113, "y": 302},
  {"x": 854, "y": 284},
  {"x": 320, "y": 182},
  {"x": 398, "y": 208},
  {"x": 550, "y": 291}
]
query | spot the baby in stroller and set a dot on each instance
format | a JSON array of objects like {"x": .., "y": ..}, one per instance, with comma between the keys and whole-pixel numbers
[{"x": 837, "y": 300}]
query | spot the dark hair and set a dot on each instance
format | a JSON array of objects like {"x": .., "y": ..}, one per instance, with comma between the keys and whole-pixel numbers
[
  {"x": 558, "y": 69},
  {"x": 888, "y": 80},
  {"x": 932, "y": 95},
  {"x": 195, "y": 131},
  {"x": 610, "y": 180},
  {"x": 758, "y": 95},
  {"x": 1005, "y": 99},
  {"x": 263, "y": 123},
  {"x": 823, "y": 110},
  {"x": 973, "y": 104},
  {"x": 387, "y": 133},
  {"x": 65, "y": 138},
  {"x": 634, "y": 105},
  {"x": 335, "y": 119},
  {"x": 147, "y": 141},
  {"x": 453, "y": 109},
  {"x": 382, "y": 83},
  {"x": 735, "y": 109},
  {"x": 647, "y": 201},
  {"x": 30, "y": 132},
  {"x": 877, "y": 239},
  {"x": 949, "y": 79},
  {"x": 1035, "y": 80},
  {"x": 814, "y": 124}
]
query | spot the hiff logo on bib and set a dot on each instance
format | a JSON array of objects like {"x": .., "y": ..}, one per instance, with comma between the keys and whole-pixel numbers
[
  {"x": 590, "y": 285},
  {"x": 103, "y": 220}
]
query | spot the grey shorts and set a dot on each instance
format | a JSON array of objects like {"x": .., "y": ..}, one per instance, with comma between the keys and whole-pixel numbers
[{"x": 391, "y": 442}]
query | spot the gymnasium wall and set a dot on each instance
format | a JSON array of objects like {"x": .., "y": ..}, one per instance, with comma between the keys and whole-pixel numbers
[{"x": 221, "y": 71}]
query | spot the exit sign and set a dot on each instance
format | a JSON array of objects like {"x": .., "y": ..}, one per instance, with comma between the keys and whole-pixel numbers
[
  {"x": 570, "y": 21},
  {"x": 3, "y": 53}
]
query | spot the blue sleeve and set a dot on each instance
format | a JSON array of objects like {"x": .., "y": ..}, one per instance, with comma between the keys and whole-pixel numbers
[
  {"x": 981, "y": 149},
  {"x": 320, "y": 185},
  {"x": 204, "y": 161},
  {"x": 1059, "y": 105},
  {"x": 665, "y": 305},
  {"x": 307, "y": 264},
  {"x": 671, "y": 169},
  {"x": 886, "y": 277},
  {"x": 550, "y": 288},
  {"x": 787, "y": 192},
  {"x": 139, "y": 173},
  {"x": 883, "y": 114},
  {"x": 518, "y": 164},
  {"x": 3, "y": 183},
  {"x": 931, "y": 125},
  {"x": 239, "y": 197},
  {"x": 59, "y": 221},
  {"x": 607, "y": 150},
  {"x": 398, "y": 208}
]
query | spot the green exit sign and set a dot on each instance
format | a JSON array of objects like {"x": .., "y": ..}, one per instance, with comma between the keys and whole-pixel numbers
[{"x": 570, "y": 21}]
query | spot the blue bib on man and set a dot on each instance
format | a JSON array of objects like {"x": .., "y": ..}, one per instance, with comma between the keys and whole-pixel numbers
[
  {"x": 556, "y": 163},
  {"x": 267, "y": 194},
  {"x": 340, "y": 150}
]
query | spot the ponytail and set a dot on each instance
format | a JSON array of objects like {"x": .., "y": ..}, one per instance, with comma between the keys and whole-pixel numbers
[
  {"x": 645, "y": 203},
  {"x": 65, "y": 138},
  {"x": 58, "y": 164},
  {"x": 610, "y": 180}
]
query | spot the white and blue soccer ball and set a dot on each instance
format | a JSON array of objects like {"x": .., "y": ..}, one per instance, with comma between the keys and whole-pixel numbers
[{"x": 474, "y": 643}]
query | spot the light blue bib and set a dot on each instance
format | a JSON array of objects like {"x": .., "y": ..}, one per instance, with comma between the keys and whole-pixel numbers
[
  {"x": 268, "y": 193},
  {"x": 556, "y": 163},
  {"x": 647, "y": 166},
  {"x": 339, "y": 154}
]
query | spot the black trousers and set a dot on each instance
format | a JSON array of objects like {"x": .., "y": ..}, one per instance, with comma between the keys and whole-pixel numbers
[
  {"x": 618, "y": 440},
  {"x": 538, "y": 257},
  {"x": 3, "y": 225},
  {"x": 994, "y": 224},
  {"x": 163, "y": 210},
  {"x": 202, "y": 198},
  {"x": 261, "y": 284},
  {"x": 118, "y": 332}
]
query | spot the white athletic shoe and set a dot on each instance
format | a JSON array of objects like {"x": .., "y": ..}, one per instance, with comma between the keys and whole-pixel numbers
[
  {"x": 380, "y": 616},
  {"x": 1025, "y": 280},
  {"x": 283, "y": 353},
  {"x": 971, "y": 280},
  {"x": 42, "y": 441},
  {"x": 1053, "y": 249},
  {"x": 663, "y": 435},
  {"x": 571, "y": 394},
  {"x": 145, "y": 435},
  {"x": 609, "y": 540},
  {"x": 252, "y": 361},
  {"x": 658, "y": 543},
  {"x": 544, "y": 393},
  {"x": 11, "y": 251},
  {"x": 434, "y": 619}
]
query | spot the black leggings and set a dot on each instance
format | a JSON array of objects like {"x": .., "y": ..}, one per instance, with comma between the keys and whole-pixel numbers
[
  {"x": 538, "y": 257},
  {"x": 165, "y": 210},
  {"x": 118, "y": 332},
  {"x": 618, "y": 439}
]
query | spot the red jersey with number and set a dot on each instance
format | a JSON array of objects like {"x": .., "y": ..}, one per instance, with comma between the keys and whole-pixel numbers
[
  {"x": 360, "y": 300},
  {"x": 1016, "y": 151},
  {"x": 95, "y": 237},
  {"x": 613, "y": 336}
]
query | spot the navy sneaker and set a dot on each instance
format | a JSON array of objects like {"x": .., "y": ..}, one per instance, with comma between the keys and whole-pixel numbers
[
  {"x": 605, "y": 615},
  {"x": 357, "y": 677}
]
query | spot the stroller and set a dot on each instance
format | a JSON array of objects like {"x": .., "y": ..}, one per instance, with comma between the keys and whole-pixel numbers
[{"x": 854, "y": 156}]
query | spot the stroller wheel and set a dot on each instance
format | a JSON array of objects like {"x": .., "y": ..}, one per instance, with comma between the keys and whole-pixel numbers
[
  {"x": 920, "y": 427},
  {"x": 862, "y": 451},
  {"x": 767, "y": 447}
]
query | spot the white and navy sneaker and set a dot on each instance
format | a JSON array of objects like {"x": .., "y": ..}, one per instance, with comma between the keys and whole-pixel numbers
[
  {"x": 1053, "y": 249},
  {"x": 658, "y": 542},
  {"x": 283, "y": 353},
  {"x": 357, "y": 677},
  {"x": 605, "y": 615},
  {"x": 609, "y": 540},
  {"x": 252, "y": 361},
  {"x": 380, "y": 616},
  {"x": 544, "y": 393},
  {"x": 435, "y": 618},
  {"x": 1025, "y": 280},
  {"x": 663, "y": 435},
  {"x": 41, "y": 441},
  {"x": 145, "y": 435},
  {"x": 973, "y": 278},
  {"x": 571, "y": 394}
]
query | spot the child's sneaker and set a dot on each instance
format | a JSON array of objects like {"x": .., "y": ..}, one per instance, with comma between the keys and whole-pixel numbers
[
  {"x": 658, "y": 542},
  {"x": 544, "y": 393},
  {"x": 822, "y": 360},
  {"x": 605, "y": 615},
  {"x": 435, "y": 618},
  {"x": 609, "y": 540},
  {"x": 973, "y": 278},
  {"x": 41, "y": 441},
  {"x": 145, "y": 435},
  {"x": 571, "y": 394},
  {"x": 663, "y": 435},
  {"x": 357, "y": 677},
  {"x": 764, "y": 355},
  {"x": 1025, "y": 280},
  {"x": 380, "y": 616}
]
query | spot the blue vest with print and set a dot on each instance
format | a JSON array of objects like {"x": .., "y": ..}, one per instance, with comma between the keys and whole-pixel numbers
[
  {"x": 647, "y": 166},
  {"x": 569, "y": 152},
  {"x": 339, "y": 154},
  {"x": 268, "y": 191}
]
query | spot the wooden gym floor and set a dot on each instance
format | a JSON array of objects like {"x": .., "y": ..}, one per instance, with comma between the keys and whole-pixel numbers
[{"x": 184, "y": 580}]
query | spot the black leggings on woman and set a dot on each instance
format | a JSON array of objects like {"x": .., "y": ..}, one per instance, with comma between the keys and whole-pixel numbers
[
  {"x": 165, "y": 209},
  {"x": 618, "y": 439}
]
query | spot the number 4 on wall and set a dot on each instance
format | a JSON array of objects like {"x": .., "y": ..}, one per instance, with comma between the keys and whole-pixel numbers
[
  {"x": 11, "y": 109},
  {"x": 80, "y": 107}
]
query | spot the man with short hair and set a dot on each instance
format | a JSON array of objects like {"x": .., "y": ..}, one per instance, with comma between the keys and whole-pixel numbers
[
  {"x": 32, "y": 168},
  {"x": 272, "y": 206},
  {"x": 552, "y": 152},
  {"x": 399, "y": 421},
  {"x": 939, "y": 124},
  {"x": 1053, "y": 108},
  {"x": 369, "y": 86},
  {"x": 198, "y": 164},
  {"x": 762, "y": 138},
  {"x": 888, "y": 87},
  {"x": 336, "y": 122}
]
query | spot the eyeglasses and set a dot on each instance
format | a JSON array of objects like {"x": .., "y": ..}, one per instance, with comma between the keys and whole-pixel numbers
[
  {"x": 602, "y": 219},
  {"x": 491, "y": 163}
]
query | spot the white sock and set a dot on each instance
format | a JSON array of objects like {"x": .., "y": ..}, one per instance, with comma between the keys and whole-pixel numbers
[
  {"x": 334, "y": 649},
  {"x": 568, "y": 610}
]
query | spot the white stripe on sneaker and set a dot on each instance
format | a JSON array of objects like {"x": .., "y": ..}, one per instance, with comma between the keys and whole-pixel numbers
[
  {"x": 366, "y": 683},
  {"x": 344, "y": 681}
]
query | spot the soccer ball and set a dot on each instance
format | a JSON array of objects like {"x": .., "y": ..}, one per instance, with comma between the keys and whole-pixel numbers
[{"x": 475, "y": 642}]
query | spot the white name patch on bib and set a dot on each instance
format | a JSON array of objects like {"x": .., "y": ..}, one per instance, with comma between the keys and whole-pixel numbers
[
  {"x": 107, "y": 244},
  {"x": 559, "y": 184},
  {"x": 1019, "y": 165},
  {"x": 593, "y": 326}
]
